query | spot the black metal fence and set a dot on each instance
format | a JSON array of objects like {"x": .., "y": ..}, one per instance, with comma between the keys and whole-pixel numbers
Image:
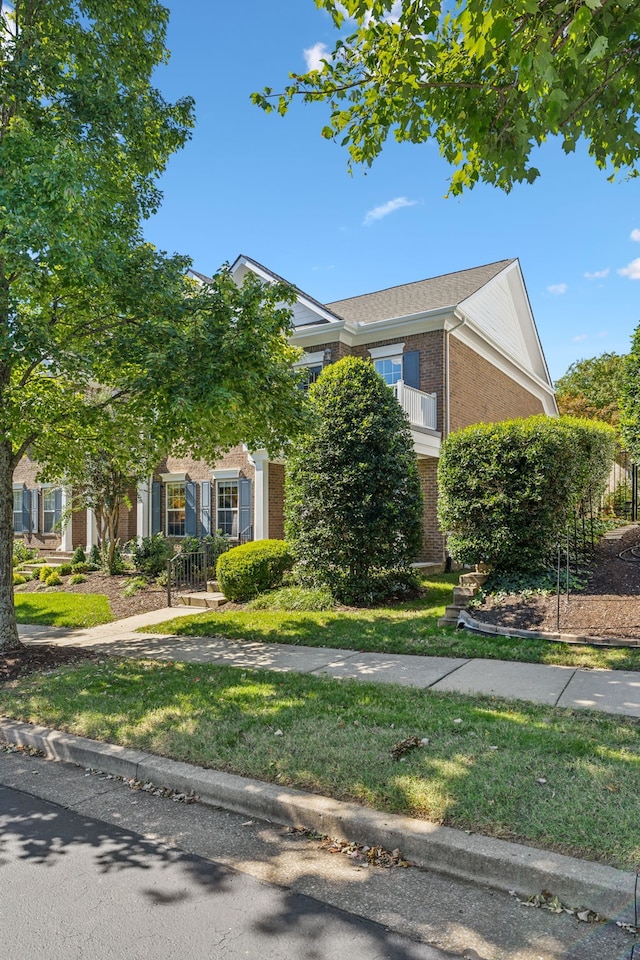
[{"x": 191, "y": 570}]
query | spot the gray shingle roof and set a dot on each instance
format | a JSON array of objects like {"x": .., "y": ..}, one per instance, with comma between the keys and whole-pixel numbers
[{"x": 418, "y": 297}]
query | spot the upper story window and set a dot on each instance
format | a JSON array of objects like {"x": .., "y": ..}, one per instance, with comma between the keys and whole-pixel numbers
[
  {"x": 312, "y": 365},
  {"x": 390, "y": 369},
  {"x": 176, "y": 509},
  {"x": 387, "y": 361}
]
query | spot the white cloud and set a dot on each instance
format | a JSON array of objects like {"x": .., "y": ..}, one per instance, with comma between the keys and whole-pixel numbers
[
  {"x": 598, "y": 274},
  {"x": 386, "y": 208},
  {"x": 392, "y": 17},
  {"x": 315, "y": 55},
  {"x": 582, "y": 336},
  {"x": 635, "y": 235},
  {"x": 632, "y": 270},
  {"x": 557, "y": 289}
]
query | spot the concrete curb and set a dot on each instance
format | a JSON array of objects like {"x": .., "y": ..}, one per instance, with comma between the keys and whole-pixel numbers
[
  {"x": 496, "y": 863},
  {"x": 479, "y": 626}
]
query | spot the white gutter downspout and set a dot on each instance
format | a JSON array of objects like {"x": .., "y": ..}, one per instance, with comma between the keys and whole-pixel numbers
[{"x": 447, "y": 429}]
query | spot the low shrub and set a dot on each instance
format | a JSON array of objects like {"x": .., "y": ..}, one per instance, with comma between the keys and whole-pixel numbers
[
  {"x": 252, "y": 568},
  {"x": 303, "y": 599},
  {"x": 77, "y": 578},
  {"x": 22, "y": 553},
  {"x": 54, "y": 579},
  {"x": 44, "y": 572},
  {"x": 81, "y": 566},
  {"x": 380, "y": 586},
  {"x": 18, "y": 579},
  {"x": 95, "y": 558},
  {"x": 133, "y": 585},
  {"x": 151, "y": 554},
  {"x": 65, "y": 569},
  {"x": 79, "y": 556}
]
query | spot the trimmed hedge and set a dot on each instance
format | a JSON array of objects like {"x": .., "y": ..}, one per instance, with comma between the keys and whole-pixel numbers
[
  {"x": 245, "y": 571},
  {"x": 506, "y": 490}
]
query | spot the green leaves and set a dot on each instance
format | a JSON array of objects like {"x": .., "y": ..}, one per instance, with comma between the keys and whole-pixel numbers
[
  {"x": 507, "y": 489},
  {"x": 488, "y": 80}
]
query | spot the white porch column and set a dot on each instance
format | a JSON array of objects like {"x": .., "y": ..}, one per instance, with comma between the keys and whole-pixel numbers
[
  {"x": 92, "y": 529},
  {"x": 143, "y": 510},
  {"x": 66, "y": 534},
  {"x": 261, "y": 513}
]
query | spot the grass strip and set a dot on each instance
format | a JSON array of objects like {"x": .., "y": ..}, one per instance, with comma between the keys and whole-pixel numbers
[
  {"x": 58, "y": 609},
  {"x": 402, "y": 628},
  {"x": 529, "y": 773}
]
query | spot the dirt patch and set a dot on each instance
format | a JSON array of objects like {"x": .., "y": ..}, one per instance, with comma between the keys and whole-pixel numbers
[
  {"x": 40, "y": 659},
  {"x": 149, "y": 598},
  {"x": 609, "y": 607}
]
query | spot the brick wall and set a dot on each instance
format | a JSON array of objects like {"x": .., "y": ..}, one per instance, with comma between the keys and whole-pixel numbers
[
  {"x": 276, "y": 501},
  {"x": 480, "y": 393},
  {"x": 433, "y": 547}
]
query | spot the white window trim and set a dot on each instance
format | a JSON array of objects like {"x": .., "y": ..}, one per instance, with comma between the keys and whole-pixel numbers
[
  {"x": 173, "y": 477},
  {"x": 230, "y": 474},
  {"x": 389, "y": 352},
  {"x": 235, "y": 510},
  {"x": 49, "y": 488},
  {"x": 310, "y": 359},
  {"x": 166, "y": 506}
]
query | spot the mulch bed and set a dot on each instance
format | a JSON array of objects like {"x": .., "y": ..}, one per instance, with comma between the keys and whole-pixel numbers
[
  {"x": 609, "y": 607},
  {"x": 40, "y": 659}
]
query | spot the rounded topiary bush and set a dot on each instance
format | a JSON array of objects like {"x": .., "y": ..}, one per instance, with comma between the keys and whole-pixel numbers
[
  {"x": 54, "y": 579},
  {"x": 245, "y": 571},
  {"x": 44, "y": 572}
]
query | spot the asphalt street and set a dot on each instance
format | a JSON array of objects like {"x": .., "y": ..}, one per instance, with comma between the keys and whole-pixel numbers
[
  {"x": 75, "y": 887},
  {"x": 91, "y": 869}
]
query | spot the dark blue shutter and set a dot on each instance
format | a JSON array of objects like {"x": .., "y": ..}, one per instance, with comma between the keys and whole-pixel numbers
[
  {"x": 58, "y": 509},
  {"x": 34, "y": 526},
  {"x": 156, "y": 514},
  {"x": 26, "y": 511},
  {"x": 245, "y": 499},
  {"x": 205, "y": 508},
  {"x": 190, "y": 523},
  {"x": 411, "y": 369}
]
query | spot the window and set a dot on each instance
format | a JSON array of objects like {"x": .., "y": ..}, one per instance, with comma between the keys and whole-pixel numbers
[
  {"x": 176, "y": 509},
  {"x": 227, "y": 507},
  {"x": 390, "y": 369},
  {"x": 311, "y": 375},
  {"x": 18, "y": 525},
  {"x": 50, "y": 509}
]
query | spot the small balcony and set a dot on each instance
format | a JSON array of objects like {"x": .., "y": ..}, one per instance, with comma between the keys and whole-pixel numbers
[{"x": 421, "y": 408}]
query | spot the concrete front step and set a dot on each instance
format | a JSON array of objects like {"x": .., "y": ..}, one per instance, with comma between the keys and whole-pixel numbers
[
  {"x": 208, "y": 600},
  {"x": 451, "y": 615}
]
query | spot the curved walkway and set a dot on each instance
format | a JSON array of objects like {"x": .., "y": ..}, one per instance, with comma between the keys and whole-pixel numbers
[{"x": 610, "y": 691}]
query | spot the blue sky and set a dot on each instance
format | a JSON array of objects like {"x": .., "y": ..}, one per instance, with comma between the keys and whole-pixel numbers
[{"x": 273, "y": 189}]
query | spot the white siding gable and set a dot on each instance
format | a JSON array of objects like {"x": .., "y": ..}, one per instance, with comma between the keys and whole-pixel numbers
[
  {"x": 303, "y": 312},
  {"x": 500, "y": 310}
]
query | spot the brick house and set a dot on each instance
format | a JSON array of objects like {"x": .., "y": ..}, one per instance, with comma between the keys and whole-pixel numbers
[{"x": 457, "y": 349}]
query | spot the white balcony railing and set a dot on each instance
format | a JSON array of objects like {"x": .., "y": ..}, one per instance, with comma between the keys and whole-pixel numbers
[{"x": 420, "y": 407}]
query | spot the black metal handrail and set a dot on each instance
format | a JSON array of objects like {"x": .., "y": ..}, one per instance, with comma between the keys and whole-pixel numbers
[{"x": 192, "y": 569}]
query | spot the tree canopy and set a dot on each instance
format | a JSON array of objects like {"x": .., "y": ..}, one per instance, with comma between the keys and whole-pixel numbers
[
  {"x": 488, "y": 80},
  {"x": 353, "y": 503},
  {"x": 592, "y": 388},
  {"x": 84, "y": 300}
]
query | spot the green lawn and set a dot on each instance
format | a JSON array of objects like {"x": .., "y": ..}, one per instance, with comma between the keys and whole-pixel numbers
[
  {"x": 401, "y": 628},
  {"x": 63, "y": 609},
  {"x": 543, "y": 776}
]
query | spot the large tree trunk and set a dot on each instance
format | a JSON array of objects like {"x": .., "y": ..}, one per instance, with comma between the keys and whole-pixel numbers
[{"x": 8, "y": 627}]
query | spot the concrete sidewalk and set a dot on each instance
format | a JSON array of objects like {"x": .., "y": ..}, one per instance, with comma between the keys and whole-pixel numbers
[{"x": 611, "y": 691}]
